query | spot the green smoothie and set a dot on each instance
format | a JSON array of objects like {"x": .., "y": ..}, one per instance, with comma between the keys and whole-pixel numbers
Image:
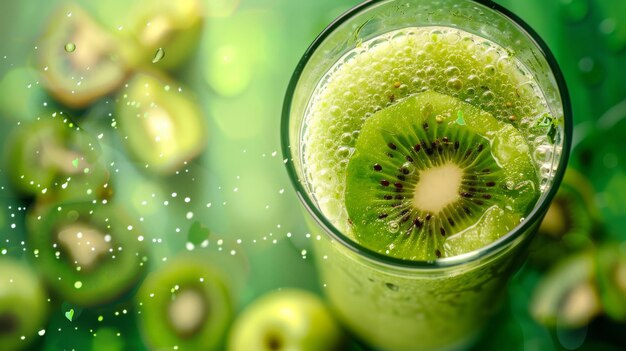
[{"x": 421, "y": 144}]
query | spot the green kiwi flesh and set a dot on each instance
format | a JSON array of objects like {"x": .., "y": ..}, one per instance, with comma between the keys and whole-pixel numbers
[
  {"x": 432, "y": 177},
  {"x": 184, "y": 304},
  {"x": 23, "y": 305},
  {"x": 161, "y": 125},
  {"x": 51, "y": 158},
  {"x": 567, "y": 295},
  {"x": 88, "y": 253},
  {"x": 93, "y": 68}
]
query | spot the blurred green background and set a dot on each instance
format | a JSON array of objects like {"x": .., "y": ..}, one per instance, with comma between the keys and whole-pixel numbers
[{"x": 230, "y": 187}]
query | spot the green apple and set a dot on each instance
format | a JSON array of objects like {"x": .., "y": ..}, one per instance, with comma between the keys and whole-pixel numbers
[{"x": 286, "y": 320}]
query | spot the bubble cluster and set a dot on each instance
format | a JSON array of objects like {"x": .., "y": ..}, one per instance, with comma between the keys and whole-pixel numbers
[{"x": 401, "y": 63}]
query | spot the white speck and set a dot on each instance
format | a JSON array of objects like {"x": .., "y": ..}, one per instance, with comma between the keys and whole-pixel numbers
[
  {"x": 289, "y": 235},
  {"x": 140, "y": 238},
  {"x": 190, "y": 246},
  {"x": 189, "y": 215},
  {"x": 220, "y": 242},
  {"x": 274, "y": 154},
  {"x": 130, "y": 227},
  {"x": 42, "y": 332},
  {"x": 233, "y": 252},
  {"x": 208, "y": 204},
  {"x": 281, "y": 191},
  {"x": 187, "y": 199},
  {"x": 174, "y": 194}
]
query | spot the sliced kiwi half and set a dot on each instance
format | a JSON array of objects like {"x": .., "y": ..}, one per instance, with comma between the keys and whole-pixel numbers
[
  {"x": 567, "y": 295},
  {"x": 89, "y": 253},
  {"x": 161, "y": 126},
  {"x": 569, "y": 224},
  {"x": 23, "y": 305},
  {"x": 184, "y": 305},
  {"x": 51, "y": 158},
  {"x": 78, "y": 59},
  {"x": 434, "y": 177}
]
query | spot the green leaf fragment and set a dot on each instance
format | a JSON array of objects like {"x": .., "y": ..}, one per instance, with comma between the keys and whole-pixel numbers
[
  {"x": 546, "y": 121},
  {"x": 459, "y": 119},
  {"x": 551, "y": 123},
  {"x": 69, "y": 314},
  {"x": 158, "y": 55},
  {"x": 75, "y": 163},
  {"x": 551, "y": 134},
  {"x": 198, "y": 233}
]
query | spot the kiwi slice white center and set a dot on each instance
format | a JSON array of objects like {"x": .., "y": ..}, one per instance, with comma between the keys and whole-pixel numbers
[
  {"x": 432, "y": 176},
  {"x": 438, "y": 187},
  {"x": 187, "y": 311},
  {"x": 84, "y": 243}
]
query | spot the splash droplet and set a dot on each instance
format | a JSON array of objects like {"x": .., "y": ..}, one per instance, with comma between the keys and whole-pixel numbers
[
  {"x": 158, "y": 55},
  {"x": 70, "y": 47}
]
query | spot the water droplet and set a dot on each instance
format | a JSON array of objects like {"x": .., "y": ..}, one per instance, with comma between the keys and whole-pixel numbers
[
  {"x": 158, "y": 55},
  {"x": 455, "y": 84},
  {"x": 70, "y": 47}
]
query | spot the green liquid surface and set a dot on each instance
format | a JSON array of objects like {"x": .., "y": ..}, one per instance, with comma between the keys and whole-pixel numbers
[{"x": 385, "y": 71}]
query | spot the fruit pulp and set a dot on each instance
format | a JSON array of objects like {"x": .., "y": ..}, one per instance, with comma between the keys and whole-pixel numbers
[{"x": 427, "y": 309}]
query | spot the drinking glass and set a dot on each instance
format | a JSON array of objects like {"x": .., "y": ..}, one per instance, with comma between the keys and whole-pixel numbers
[{"x": 401, "y": 305}]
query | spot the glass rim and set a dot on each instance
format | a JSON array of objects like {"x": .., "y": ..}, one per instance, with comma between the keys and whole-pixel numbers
[{"x": 484, "y": 252}]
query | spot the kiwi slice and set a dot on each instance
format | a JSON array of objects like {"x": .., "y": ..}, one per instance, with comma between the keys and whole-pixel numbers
[
  {"x": 569, "y": 224},
  {"x": 184, "y": 305},
  {"x": 161, "y": 126},
  {"x": 79, "y": 60},
  {"x": 567, "y": 295},
  {"x": 433, "y": 177},
  {"x": 52, "y": 158},
  {"x": 164, "y": 33},
  {"x": 611, "y": 274},
  {"x": 23, "y": 305},
  {"x": 89, "y": 253}
]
